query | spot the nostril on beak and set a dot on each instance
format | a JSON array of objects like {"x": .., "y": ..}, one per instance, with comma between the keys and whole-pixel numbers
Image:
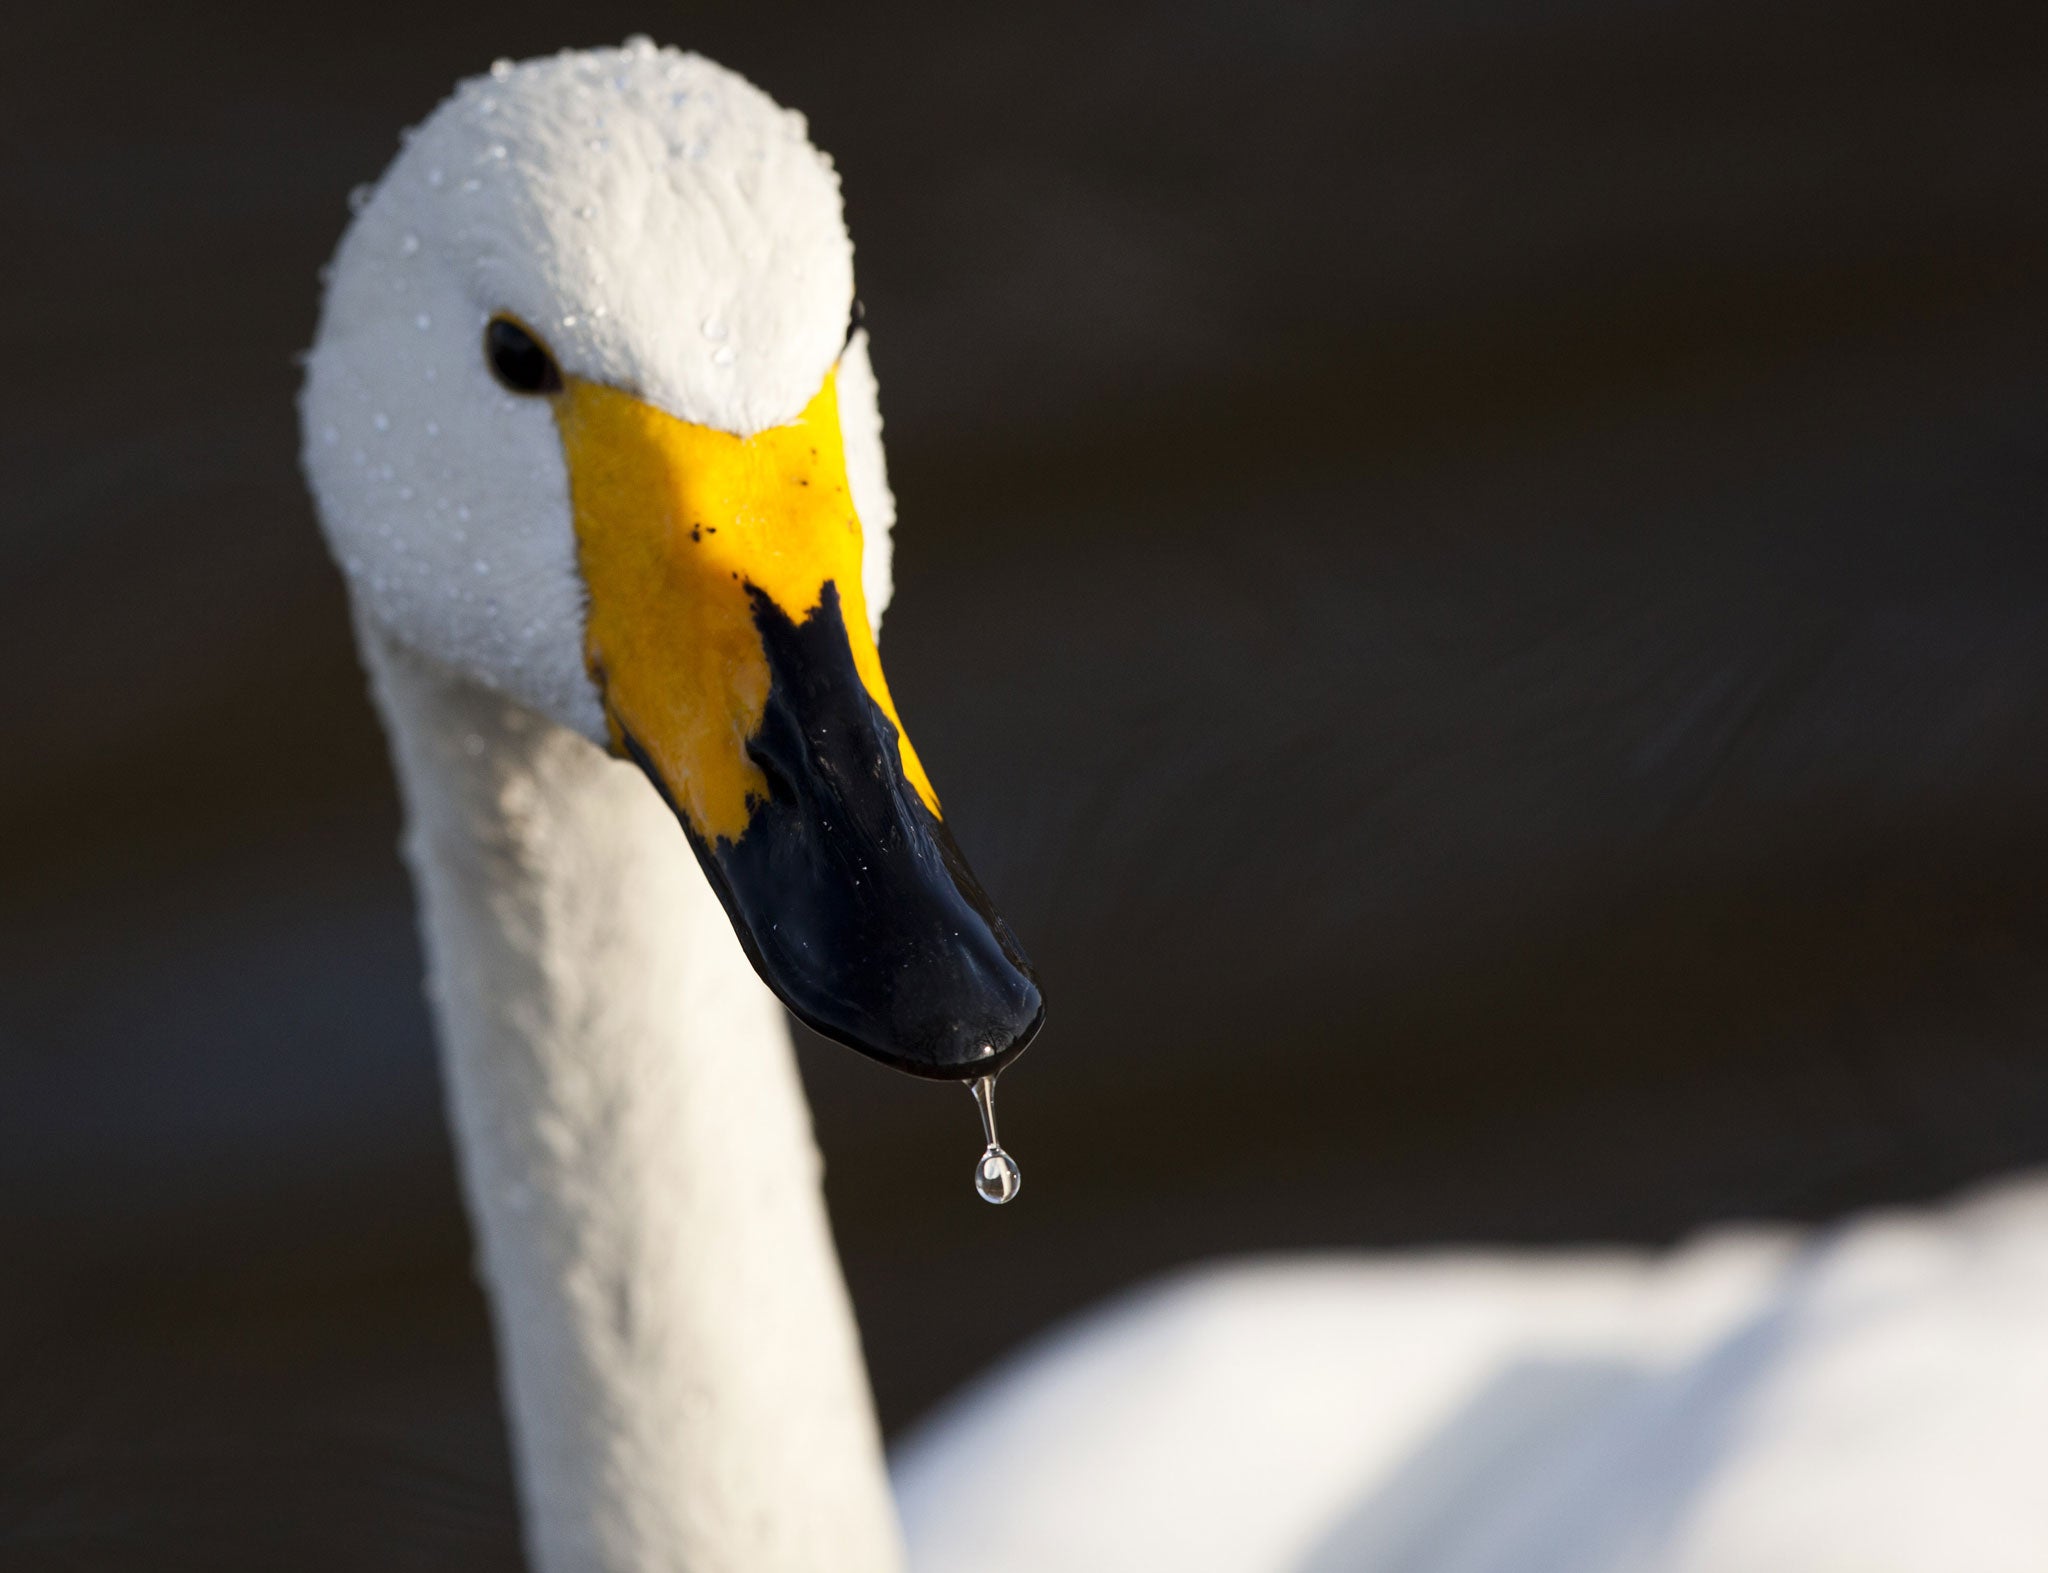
[
  {"x": 779, "y": 751},
  {"x": 781, "y": 786}
]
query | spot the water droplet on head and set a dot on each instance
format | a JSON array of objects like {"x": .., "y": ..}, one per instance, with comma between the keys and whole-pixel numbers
[
  {"x": 501, "y": 68},
  {"x": 381, "y": 421},
  {"x": 997, "y": 1179},
  {"x": 408, "y": 244},
  {"x": 497, "y": 150},
  {"x": 722, "y": 356},
  {"x": 435, "y": 177},
  {"x": 714, "y": 329},
  {"x": 423, "y": 322},
  {"x": 359, "y": 198}
]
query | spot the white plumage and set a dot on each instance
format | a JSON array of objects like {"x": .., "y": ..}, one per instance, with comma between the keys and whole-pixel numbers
[{"x": 1866, "y": 1400}]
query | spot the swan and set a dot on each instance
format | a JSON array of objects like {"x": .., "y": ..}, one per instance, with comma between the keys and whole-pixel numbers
[{"x": 592, "y": 432}]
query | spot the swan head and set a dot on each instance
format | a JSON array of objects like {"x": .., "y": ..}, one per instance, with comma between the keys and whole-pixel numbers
[{"x": 586, "y": 422}]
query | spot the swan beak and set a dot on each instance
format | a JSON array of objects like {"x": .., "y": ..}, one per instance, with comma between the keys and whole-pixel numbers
[{"x": 728, "y": 636}]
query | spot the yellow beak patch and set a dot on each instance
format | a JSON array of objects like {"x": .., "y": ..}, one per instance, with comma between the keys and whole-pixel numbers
[{"x": 676, "y": 527}]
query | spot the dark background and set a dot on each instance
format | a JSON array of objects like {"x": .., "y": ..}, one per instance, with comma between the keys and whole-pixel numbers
[{"x": 1473, "y": 575}]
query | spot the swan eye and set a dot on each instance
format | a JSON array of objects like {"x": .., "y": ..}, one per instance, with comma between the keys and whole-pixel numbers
[
  {"x": 855, "y": 320},
  {"x": 518, "y": 359}
]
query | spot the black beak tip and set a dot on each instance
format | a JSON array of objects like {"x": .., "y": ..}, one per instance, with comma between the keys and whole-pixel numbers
[{"x": 965, "y": 1050}]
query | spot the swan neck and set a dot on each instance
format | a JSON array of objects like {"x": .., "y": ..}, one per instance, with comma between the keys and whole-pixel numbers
[{"x": 683, "y": 1376}]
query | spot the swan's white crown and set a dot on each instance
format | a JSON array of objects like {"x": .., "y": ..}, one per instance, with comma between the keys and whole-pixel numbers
[{"x": 667, "y": 229}]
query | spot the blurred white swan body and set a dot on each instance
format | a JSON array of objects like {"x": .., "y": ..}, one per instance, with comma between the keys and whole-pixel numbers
[
  {"x": 1867, "y": 1400},
  {"x": 683, "y": 1377}
]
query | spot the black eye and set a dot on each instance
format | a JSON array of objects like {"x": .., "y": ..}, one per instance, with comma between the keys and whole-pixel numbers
[
  {"x": 855, "y": 321},
  {"x": 518, "y": 359}
]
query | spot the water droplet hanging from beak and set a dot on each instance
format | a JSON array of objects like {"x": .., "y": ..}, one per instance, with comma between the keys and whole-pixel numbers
[{"x": 997, "y": 1179}]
